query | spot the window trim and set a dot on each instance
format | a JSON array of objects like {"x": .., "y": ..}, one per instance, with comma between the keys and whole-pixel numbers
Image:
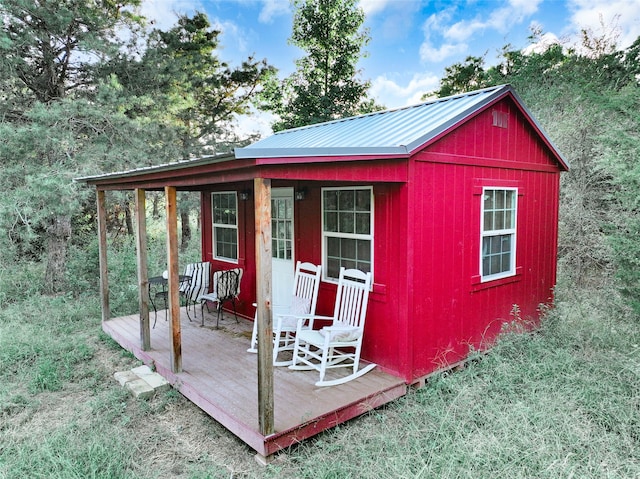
[
  {"x": 370, "y": 237},
  {"x": 513, "y": 270},
  {"x": 228, "y": 226}
]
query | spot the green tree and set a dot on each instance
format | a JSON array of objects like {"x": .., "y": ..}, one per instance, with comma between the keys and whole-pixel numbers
[
  {"x": 325, "y": 85},
  {"x": 187, "y": 87},
  {"x": 47, "y": 125},
  {"x": 462, "y": 77}
]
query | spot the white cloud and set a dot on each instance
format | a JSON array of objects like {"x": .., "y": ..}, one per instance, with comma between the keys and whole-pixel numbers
[
  {"x": 374, "y": 6},
  {"x": 500, "y": 19},
  {"x": 542, "y": 45},
  {"x": 232, "y": 37},
  {"x": 273, "y": 8},
  {"x": 621, "y": 15},
  {"x": 435, "y": 26},
  {"x": 430, "y": 53},
  {"x": 453, "y": 38},
  {"x": 389, "y": 93},
  {"x": 164, "y": 13}
]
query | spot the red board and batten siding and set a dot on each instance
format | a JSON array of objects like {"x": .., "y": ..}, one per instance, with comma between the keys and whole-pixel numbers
[{"x": 454, "y": 311}]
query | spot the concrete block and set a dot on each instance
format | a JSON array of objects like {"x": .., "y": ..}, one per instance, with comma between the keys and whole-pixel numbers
[
  {"x": 140, "y": 389},
  {"x": 153, "y": 379},
  {"x": 123, "y": 377}
]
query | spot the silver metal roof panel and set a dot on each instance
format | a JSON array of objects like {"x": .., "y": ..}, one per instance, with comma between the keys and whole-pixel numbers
[{"x": 392, "y": 132}]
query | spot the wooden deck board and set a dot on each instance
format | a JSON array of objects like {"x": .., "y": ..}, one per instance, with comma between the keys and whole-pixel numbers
[{"x": 221, "y": 377}]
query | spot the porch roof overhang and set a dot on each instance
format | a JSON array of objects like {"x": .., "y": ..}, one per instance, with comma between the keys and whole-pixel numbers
[{"x": 200, "y": 173}]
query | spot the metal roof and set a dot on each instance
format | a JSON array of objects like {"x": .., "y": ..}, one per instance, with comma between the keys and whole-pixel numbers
[
  {"x": 392, "y": 132},
  {"x": 397, "y": 132},
  {"x": 143, "y": 170}
]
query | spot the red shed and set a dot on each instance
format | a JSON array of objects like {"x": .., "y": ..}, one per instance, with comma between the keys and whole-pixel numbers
[{"x": 451, "y": 204}]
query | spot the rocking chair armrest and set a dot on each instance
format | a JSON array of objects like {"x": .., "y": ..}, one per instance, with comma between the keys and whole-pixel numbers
[{"x": 298, "y": 318}]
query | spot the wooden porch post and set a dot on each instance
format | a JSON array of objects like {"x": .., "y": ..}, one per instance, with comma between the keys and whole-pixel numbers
[
  {"x": 143, "y": 279},
  {"x": 262, "y": 194},
  {"x": 172, "y": 266},
  {"x": 102, "y": 253}
]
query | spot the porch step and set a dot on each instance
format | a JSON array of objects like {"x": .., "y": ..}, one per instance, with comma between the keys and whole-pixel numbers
[{"x": 142, "y": 382}]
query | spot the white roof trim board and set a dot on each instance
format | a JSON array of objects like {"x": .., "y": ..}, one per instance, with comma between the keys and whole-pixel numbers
[{"x": 392, "y": 132}]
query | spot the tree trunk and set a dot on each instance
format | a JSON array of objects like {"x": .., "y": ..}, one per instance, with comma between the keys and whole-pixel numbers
[
  {"x": 155, "y": 199},
  {"x": 186, "y": 231},
  {"x": 58, "y": 235},
  {"x": 127, "y": 217}
]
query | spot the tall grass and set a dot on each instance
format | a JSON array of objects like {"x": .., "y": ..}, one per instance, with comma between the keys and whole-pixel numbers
[{"x": 561, "y": 402}]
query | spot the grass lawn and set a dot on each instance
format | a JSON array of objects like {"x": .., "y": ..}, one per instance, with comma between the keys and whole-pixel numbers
[{"x": 558, "y": 403}]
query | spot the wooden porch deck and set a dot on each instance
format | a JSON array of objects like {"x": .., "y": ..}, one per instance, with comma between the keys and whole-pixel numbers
[{"x": 221, "y": 378}]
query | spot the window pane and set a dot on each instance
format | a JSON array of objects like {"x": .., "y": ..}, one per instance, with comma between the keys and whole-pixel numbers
[
  {"x": 364, "y": 250},
  {"x": 348, "y": 248},
  {"x": 333, "y": 268},
  {"x": 506, "y": 243},
  {"x": 330, "y": 200},
  {"x": 488, "y": 200},
  {"x": 333, "y": 247},
  {"x": 485, "y": 267},
  {"x": 495, "y": 264},
  {"x": 363, "y": 200},
  {"x": 330, "y": 221},
  {"x": 508, "y": 221},
  {"x": 495, "y": 245},
  {"x": 511, "y": 199},
  {"x": 346, "y": 200},
  {"x": 506, "y": 262},
  {"x": 363, "y": 223},
  {"x": 488, "y": 220},
  {"x": 224, "y": 208},
  {"x": 347, "y": 223},
  {"x": 349, "y": 264}
]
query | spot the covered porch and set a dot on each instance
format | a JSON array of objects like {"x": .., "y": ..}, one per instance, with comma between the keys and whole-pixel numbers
[
  {"x": 268, "y": 408},
  {"x": 219, "y": 376}
]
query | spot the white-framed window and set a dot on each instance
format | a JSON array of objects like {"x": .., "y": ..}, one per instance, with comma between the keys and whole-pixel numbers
[
  {"x": 498, "y": 233},
  {"x": 282, "y": 223},
  {"x": 224, "y": 206},
  {"x": 347, "y": 230}
]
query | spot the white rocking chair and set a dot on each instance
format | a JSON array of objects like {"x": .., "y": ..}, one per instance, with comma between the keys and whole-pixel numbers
[
  {"x": 337, "y": 345},
  {"x": 306, "y": 282}
]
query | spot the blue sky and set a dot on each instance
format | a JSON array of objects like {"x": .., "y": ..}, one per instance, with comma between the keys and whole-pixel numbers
[{"x": 412, "y": 41}]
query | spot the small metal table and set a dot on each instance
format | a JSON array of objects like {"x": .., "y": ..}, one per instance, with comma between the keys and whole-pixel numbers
[{"x": 162, "y": 282}]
